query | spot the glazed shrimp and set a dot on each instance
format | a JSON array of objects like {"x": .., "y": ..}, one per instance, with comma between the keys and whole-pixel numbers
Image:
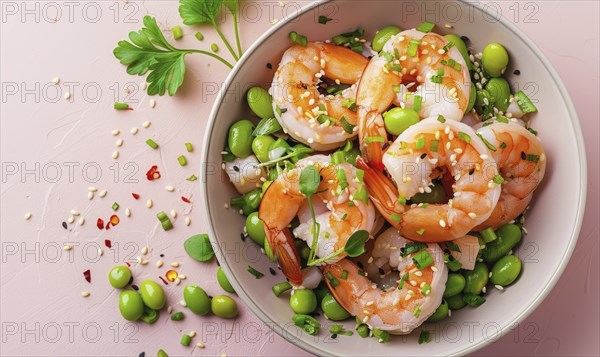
[
  {"x": 425, "y": 150},
  {"x": 321, "y": 122},
  {"x": 522, "y": 163},
  {"x": 396, "y": 309},
  {"x": 338, "y": 220},
  {"x": 413, "y": 59}
]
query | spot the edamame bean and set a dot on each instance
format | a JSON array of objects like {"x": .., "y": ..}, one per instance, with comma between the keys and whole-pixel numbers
[
  {"x": 382, "y": 36},
  {"x": 506, "y": 270},
  {"x": 509, "y": 235},
  {"x": 476, "y": 279},
  {"x": 454, "y": 285},
  {"x": 224, "y": 306},
  {"x": 440, "y": 313},
  {"x": 494, "y": 59},
  {"x": 456, "y": 302},
  {"x": 177, "y": 316},
  {"x": 131, "y": 305},
  {"x": 240, "y": 138},
  {"x": 260, "y": 147},
  {"x": 196, "y": 299},
  {"x": 461, "y": 46},
  {"x": 223, "y": 281},
  {"x": 119, "y": 276},
  {"x": 260, "y": 102},
  {"x": 152, "y": 294},
  {"x": 150, "y": 316},
  {"x": 499, "y": 91},
  {"x": 332, "y": 309},
  {"x": 480, "y": 100},
  {"x": 303, "y": 301},
  {"x": 255, "y": 228},
  {"x": 437, "y": 195},
  {"x": 397, "y": 120}
]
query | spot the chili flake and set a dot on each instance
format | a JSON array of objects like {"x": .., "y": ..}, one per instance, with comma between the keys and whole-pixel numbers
[
  {"x": 88, "y": 276},
  {"x": 108, "y": 243},
  {"x": 153, "y": 173},
  {"x": 163, "y": 280},
  {"x": 185, "y": 199},
  {"x": 100, "y": 224},
  {"x": 135, "y": 195}
]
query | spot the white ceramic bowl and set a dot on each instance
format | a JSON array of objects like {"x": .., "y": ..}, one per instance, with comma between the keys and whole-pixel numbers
[{"x": 553, "y": 222}]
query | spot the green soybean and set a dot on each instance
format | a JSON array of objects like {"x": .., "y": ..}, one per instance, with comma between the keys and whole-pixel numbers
[
  {"x": 456, "y": 302},
  {"x": 461, "y": 47},
  {"x": 509, "y": 235},
  {"x": 240, "y": 138},
  {"x": 476, "y": 279},
  {"x": 119, "y": 276},
  {"x": 177, "y": 316},
  {"x": 131, "y": 305},
  {"x": 260, "y": 147},
  {"x": 437, "y": 195},
  {"x": 494, "y": 59},
  {"x": 260, "y": 102},
  {"x": 440, "y": 313},
  {"x": 223, "y": 281},
  {"x": 397, "y": 120},
  {"x": 224, "y": 306},
  {"x": 150, "y": 316},
  {"x": 152, "y": 294},
  {"x": 506, "y": 270},
  {"x": 161, "y": 353},
  {"x": 303, "y": 301},
  {"x": 382, "y": 36},
  {"x": 499, "y": 91},
  {"x": 332, "y": 309},
  {"x": 454, "y": 285},
  {"x": 196, "y": 299},
  {"x": 256, "y": 228}
]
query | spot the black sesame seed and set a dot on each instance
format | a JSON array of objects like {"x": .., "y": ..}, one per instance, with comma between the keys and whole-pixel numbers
[
  {"x": 283, "y": 110},
  {"x": 272, "y": 271},
  {"x": 243, "y": 237},
  {"x": 162, "y": 255},
  {"x": 381, "y": 271},
  {"x": 360, "y": 265},
  {"x": 64, "y": 224},
  {"x": 130, "y": 280},
  {"x": 218, "y": 264},
  {"x": 523, "y": 155},
  {"x": 465, "y": 39},
  {"x": 304, "y": 86},
  {"x": 423, "y": 155},
  {"x": 269, "y": 66},
  {"x": 385, "y": 146},
  {"x": 334, "y": 336},
  {"x": 135, "y": 287},
  {"x": 142, "y": 354},
  {"x": 517, "y": 72},
  {"x": 471, "y": 171},
  {"x": 370, "y": 57},
  {"x": 210, "y": 297},
  {"x": 236, "y": 169}
]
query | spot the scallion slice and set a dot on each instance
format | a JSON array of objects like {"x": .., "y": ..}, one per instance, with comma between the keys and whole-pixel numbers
[
  {"x": 255, "y": 272},
  {"x": 525, "y": 103},
  {"x": 420, "y": 144},
  {"x": 422, "y": 259},
  {"x": 152, "y": 143},
  {"x": 425, "y": 27},
  {"x": 298, "y": 39},
  {"x": 464, "y": 137}
]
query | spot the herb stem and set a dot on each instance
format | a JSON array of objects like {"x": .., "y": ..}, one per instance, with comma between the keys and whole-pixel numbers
[
  {"x": 237, "y": 34},
  {"x": 316, "y": 229},
  {"x": 321, "y": 260},
  {"x": 216, "y": 27},
  {"x": 215, "y": 56}
]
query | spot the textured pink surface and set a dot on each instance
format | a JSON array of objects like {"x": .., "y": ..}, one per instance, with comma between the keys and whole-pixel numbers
[{"x": 42, "y": 310}]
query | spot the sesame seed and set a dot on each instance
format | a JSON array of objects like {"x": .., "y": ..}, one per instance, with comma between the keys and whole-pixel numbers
[
  {"x": 483, "y": 290},
  {"x": 71, "y": 219},
  {"x": 200, "y": 345},
  {"x": 170, "y": 188},
  {"x": 159, "y": 263},
  {"x": 418, "y": 273},
  {"x": 483, "y": 157},
  {"x": 67, "y": 95},
  {"x": 370, "y": 260},
  {"x": 365, "y": 319},
  {"x": 115, "y": 154},
  {"x": 472, "y": 215},
  {"x": 442, "y": 223},
  {"x": 434, "y": 269},
  {"x": 152, "y": 103},
  {"x": 55, "y": 80},
  {"x": 90, "y": 195},
  {"x": 68, "y": 247},
  {"x": 27, "y": 216},
  {"x": 188, "y": 221},
  {"x": 144, "y": 250},
  {"x": 448, "y": 26},
  {"x": 499, "y": 287},
  {"x": 85, "y": 294},
  {"x": 81, "y": 221},
  {"x": 173, "y": 213},
  {"x": 175, "y": 264},
  {"x": 413, "y": 283},
  {"x": 100, "y": 252},
  {"x": 127, "y": 212},
  {"x": 407, "y": 297},
  {"x": 119, "y": 143},
  {"x": 149, "y": 203},
  {"x": 116, "y": 132},
  {"x": 192, "y": 334},
  {"x": 146, "y": 124},
  {"x": 490, "y": 275}
]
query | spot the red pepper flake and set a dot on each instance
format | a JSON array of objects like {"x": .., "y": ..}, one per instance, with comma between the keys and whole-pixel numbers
[
  {"x": 163, "y": 280},
  {"x": 153, "y": 173},
  {"x": 136, "y": 196},
  {"x": 114, "y": 220},
  {"x": 185, "y": 199},
  {"x": 100, "y": 223},
  {"x": 108, "y": 226},
  {"x": 88, "y": 276},
  {"x": 129, "y": 265},
  {"x": 108, "y": 243}
]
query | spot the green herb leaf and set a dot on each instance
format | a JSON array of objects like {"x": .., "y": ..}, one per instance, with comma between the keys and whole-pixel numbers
[
  {"x": 355, "y": 245},
  {"x": 324, "y": 19},
  {"x": 309, "y": 180},
  {"x": 232, "y": 5},
  {"x": 424, "y": 337},
  {"x": 195, "y": 12},
  {"x": 199, "y": 248},
  {"x": 411, "y": 248}
]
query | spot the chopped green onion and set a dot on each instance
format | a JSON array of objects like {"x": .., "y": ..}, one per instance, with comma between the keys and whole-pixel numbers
[
  {"x": 186, "y": 339},
  {"x": 411, "y": 247},
  {"x": 360, "y": 174},
  {"x": 199, "y": 36},
  {"x": 533, "y": 158},
  {"x": 501, "y": 119},
  {"x": 420, "y": 231},
  {"x": 503, "y": 146},
  {"x": 453, "y": 246},
  {"x": 255, "y": 272},
  {"x": 381, "y": 336},
  {"x": 267, "y": 127},
  {"x": 348, "y": 128},
  {"x": 345, "y": 274},
  {"x": 341, "y": 177},
  {"x": 433, "y": 145},
  {"x": 192, "y": 178},
  {"x": 189, "y": 147},
  {"x": 298, "y": 39},
  {"x": 441, "y": 118},
  {"x": 326, "y": 119},
  {"x": 152, "y": 143},
  {"x": 396, "y": 217},
  {"x": 214, "y": 47},
  {"x": 440, "y": 72},
  {"x": 362, "y": 195},
  {"x": 451, "y": 263},
  {"x": 488, "y": 235},
  {"x": 349, "y": 103},
  {"x": 403, "y": 279},
  {"x": 115, "y": 206},
  {"x": 164, "y": 220},
  {"x": 344, "y": 216},
  {"x": 402, "y": 200},
  {"x": 374, "y": 139},
  {"x": 525, "y": 103},
  {"x": 420, "y": 143},
  {"x": 424, "y": 337},
  {"x": 426, "y": 289},
  {"x": 422, "y": 259},
  {"x": 498, "y": 179},
  {"x": 177, "y": 32},
  {"x": 413, "y": 47},
  {"x": 338, "y": 158},
  {"x": 425, "y": 27},
  {"x": 417, "y": 311},
  {"x": 182, "y": 160},
  {"x": 280, "y": 288},
  {"x": 533, "y": 131},
  {"x": 417, "y": 102},
  {"x": 324, "y": 19},
  {"x": 121, "y": 106},
  {"x": 486, "y": 142},
  {"x": 396, "y": 89},
  {"x": 464, "y": 137},
  {"x": 436, "y": 79},
  {"x": 332, "y": 280}
]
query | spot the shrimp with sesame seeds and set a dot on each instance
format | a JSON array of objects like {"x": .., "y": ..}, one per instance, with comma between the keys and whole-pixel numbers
[
  {"x": 340, "y": 209},
  {"x": 321, "y": 121},
  {"x": 427, "y": 150},
  {"x": 415, "y": 292},
  {"x": 412, "y": 65},
  {"x": 522, "y": 163}
]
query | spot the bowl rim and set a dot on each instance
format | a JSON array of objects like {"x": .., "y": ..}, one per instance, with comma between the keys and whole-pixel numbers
[{"x": 573, "y": 119}]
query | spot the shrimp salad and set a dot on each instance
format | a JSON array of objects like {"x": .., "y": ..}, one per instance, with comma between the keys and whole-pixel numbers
[{"x": 388, "y": 178}]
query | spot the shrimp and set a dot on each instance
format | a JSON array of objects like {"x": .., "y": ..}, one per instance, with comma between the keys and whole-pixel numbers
[
  {"x": 337, "y": 218},
  {"x": 400, "y": 308},
  {"x": 429, "y": 149},
  {"x": 321, "y": 122},
  {"x": 522, "y": 163},
  {"x": 410, "y": 58}
]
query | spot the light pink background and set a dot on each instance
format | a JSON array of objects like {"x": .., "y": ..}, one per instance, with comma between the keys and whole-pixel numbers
[{"x": 42, "y": 310}]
